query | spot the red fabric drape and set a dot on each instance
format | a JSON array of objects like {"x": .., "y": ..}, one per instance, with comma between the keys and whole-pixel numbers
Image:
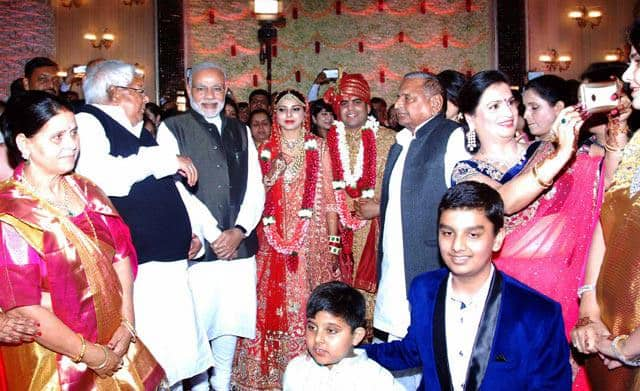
[{"x": 3, "y": 380}]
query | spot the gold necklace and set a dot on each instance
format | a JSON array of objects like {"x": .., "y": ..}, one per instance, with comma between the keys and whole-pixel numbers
[
  {"x": 63, "y": 206},
  {"x": 292, "y": 169}
]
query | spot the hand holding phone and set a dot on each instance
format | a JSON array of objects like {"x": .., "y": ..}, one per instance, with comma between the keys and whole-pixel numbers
[
  {"x": 331, "y": 74},
  {"x": 599, "y": 97}
]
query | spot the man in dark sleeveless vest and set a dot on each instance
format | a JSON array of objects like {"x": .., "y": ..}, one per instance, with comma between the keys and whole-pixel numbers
[
  {"x": 230, "y": 185},
  {"x": 137, "y": 174},
  {"x": 417, "y": 174}
]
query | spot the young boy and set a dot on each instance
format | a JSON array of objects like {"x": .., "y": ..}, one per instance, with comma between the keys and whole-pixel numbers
[
  {"x": 473, "y": 327},
  {"x": 335, "y": 325}
]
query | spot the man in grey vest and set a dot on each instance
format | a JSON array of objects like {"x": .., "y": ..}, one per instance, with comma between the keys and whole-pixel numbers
[
  {"x": 230, "y": 185},
  {"x": 416, "y": 176}
]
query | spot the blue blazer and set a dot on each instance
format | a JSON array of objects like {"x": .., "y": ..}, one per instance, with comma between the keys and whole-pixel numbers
[{"x": 520, "y": 343}]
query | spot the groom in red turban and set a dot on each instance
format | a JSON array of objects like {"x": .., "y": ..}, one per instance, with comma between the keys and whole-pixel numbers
[{"x": 358, "y": 146}]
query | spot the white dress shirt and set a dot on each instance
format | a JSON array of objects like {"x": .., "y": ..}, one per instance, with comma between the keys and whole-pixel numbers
[
  {"x": 392, "y": 313},
  {"x": 358, "y": 373},
  {"x": 462, "y": 316}
]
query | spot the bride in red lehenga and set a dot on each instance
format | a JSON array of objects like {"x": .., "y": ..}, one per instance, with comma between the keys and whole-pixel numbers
[{"x": 294, "y": 255}]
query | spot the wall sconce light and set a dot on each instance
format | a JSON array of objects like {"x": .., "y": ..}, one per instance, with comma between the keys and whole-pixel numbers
[
  {"x": 552, "y": 61},
  {"x": 105, "y": 41},
  {"x": 614, "y": 55},
  {"x": 131, "y": 2},
  {"x": 71, "y": 3},
  {"x": 61, "y": 74},
  {"x": 584, "y": 16}
]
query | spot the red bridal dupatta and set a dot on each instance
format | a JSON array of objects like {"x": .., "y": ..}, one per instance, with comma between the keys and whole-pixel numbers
[{"x": 47, "y": 259}]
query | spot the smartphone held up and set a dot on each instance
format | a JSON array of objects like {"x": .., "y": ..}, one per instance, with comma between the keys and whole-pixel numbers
[{"x": 599, "y": 97}]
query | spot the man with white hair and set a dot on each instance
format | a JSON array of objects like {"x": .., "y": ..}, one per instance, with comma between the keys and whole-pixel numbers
[
  {"x": 417, "y": 174},
  {"x": 122, "y": 157},
  {"x": 230, "y": 185}
]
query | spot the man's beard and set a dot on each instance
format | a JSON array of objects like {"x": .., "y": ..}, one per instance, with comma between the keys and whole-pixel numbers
[{"x": 198, "y": 109}]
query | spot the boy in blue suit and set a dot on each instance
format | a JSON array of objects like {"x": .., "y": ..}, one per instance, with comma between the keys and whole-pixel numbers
[{"x": 473, "y": 327}]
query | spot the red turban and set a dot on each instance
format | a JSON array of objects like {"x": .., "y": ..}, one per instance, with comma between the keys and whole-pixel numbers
[{"x": 349, "y": 85}]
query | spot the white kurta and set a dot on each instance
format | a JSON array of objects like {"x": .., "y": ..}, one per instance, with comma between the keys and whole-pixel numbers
[
  {"x": 225, "y": 291},
  {"x": 166, "y": 316},
  {"x": 391, "y": 312},
  {"x": 358, "y": 373}
]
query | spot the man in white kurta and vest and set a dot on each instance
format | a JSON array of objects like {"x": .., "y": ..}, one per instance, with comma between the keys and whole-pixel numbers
[
  {"x": 417, "y": 174},
  {"x": 137, "y": 174},
  {"x": 230, "y": 185}
]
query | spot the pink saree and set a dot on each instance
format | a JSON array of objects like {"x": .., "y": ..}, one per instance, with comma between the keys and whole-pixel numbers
[
  {"x": 547, "y": 243},
  {"x": 66, "y": 265}
]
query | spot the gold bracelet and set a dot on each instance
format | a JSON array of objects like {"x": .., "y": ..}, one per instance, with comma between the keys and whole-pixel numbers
[
  {"x": 544, "y": 185},
  {"x": 130, "y": 329},
  {"x": 106, "y": 359},
  {"x": 83, "y": 350},
  {"x": 609, "y": 148}
]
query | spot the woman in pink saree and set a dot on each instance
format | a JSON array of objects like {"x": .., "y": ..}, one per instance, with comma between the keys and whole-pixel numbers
[
  {"x": 552, "y": 195},
  {"x": 67, "y": 262}
]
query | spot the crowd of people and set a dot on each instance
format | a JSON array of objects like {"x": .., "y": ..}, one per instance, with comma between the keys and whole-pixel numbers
[{"x": 464, "y": 238}]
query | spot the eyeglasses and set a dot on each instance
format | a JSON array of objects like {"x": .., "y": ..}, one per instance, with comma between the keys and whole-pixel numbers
[{"x": 138, "y": 90}]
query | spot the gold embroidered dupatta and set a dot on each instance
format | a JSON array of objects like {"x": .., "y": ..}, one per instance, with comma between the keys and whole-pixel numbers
[{"x": 89, "y": 276}]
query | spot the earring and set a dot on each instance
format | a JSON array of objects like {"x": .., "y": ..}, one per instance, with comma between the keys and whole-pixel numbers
[
  {"x": 472, "y": 142},
  {"x": 25, "y": 156}
]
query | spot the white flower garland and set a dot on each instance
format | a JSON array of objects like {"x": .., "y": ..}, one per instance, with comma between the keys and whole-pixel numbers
[{"x": 351, "y": 178}]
